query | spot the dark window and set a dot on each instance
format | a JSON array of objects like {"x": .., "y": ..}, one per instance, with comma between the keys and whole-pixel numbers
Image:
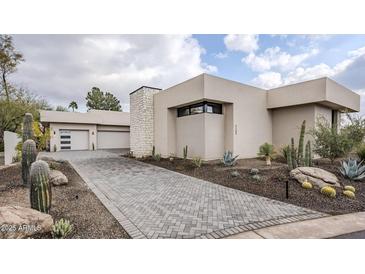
[
  {"x": 206, "y": 107},
  {"x": 65, "y": 137},
  {"x": 65, "y": 147},
  {"x": 65, "y": 142}
]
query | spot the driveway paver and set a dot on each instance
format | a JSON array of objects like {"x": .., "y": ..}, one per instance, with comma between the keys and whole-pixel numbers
[{"x": 152, "y": 202}]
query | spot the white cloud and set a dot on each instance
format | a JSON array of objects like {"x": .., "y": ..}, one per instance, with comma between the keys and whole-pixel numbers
[
  {"x": 349, "y": 72},
  {"x": 241, "y": 42},
  {"x": 221, "y": 55},
  {"x": 63, "y": 68},
  {"x": 275, "y": 58},
  {"x": 268, "y": 80}
]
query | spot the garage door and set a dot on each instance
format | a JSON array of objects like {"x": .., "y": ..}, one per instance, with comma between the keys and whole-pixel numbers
[
  {"x": 74, "y": 139},
  {"x": 113, "y": 139}
]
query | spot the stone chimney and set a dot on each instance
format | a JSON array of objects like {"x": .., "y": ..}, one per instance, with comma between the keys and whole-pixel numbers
[{"x": 141, "y": 121}]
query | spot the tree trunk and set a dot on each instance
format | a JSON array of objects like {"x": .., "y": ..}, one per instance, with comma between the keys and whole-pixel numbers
[
  {"x": 268, "y": 161},
  {"x": 5, "y": 86}
]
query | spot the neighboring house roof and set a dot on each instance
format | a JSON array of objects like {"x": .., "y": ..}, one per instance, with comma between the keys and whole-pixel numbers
[{"x": 99, "y": 117}]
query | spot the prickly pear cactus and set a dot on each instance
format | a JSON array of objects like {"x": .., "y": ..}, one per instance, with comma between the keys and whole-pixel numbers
[
  {"x": 40, "y": 188},
  {"x": 28, "y": 132},
  {"x": 29, "y": 155}
]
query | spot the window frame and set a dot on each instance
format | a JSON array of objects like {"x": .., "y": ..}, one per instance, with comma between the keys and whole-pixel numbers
[{"x": 216, "y": 109}]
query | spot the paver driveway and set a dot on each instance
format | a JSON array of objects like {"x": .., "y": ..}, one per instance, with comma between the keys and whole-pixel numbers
[{"x": 152, "y": 202}]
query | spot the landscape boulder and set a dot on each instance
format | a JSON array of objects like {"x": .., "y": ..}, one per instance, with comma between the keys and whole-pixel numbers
[
  {"x": 19, "y": 222},
  {"x": 57, "y": 178},
  {"x": 317, "y": 176}
]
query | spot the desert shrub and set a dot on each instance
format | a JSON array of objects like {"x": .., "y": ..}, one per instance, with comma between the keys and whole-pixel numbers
[
  {"x": 329, "y": 142},
  {"x": 256, "y": 177},
  {"x": 228, "y": 158},
  {"x": 284, "y": 151},
  {"x": 361, "y": 152},
  {"x": 349, "y": 194},
  {"x": 352, "y": 170},
  {"x": 157, "y": 157},
  {"x": 197, "y": 162},
  {"x": 328, "y": 191},
  {"x": 254, "y": 171},
  {"x": 354, "y": 129},
  {"x": 267, "y": 150},
  {"x": 61, "y": 229},
  {"x": 350, "y": 188},
  {"x": 235, "y": 174}
]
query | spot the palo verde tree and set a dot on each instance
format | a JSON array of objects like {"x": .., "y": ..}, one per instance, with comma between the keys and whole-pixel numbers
[{"x": 9, "y": 60}]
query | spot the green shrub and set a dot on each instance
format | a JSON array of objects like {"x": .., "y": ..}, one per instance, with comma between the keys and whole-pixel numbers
[
  {"x": 254, "y": 171},
  {"x": 61, "y": 229},
  {"x": 197, "y": 161},
  {"x": 228, "y": 159},
  {"x": 329, "y": 142},
  {"x": 157, "y": 157},
  {"x": 361, "y": 152},
  {"x": 256, "y": 177},
  {"x": 354, "y": 129},
  {"x": 352, "y": 170},
  {"x": 267, "y": 150},
  {"x": 328, "y": 191}
]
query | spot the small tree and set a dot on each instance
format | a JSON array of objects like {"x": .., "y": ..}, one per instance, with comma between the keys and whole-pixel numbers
[
  {"x": 329, "y": 142},
  {"x": 267, "y": 150},
  {"x": 354, "y": 128},
  {"x": 73, "y": 105}
]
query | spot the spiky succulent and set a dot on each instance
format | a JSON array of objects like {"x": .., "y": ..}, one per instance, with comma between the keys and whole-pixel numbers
[
  {"x": 352, "y": 170},
  {"x": 229, "y": 159},
  {"x": 328, "y": 191},
  {"x": 61, "y": 229}
]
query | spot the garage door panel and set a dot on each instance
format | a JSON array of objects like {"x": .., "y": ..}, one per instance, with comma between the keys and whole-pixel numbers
[
  {"x": 113, "y": 139},
  {"x": 74, "y": 139}
]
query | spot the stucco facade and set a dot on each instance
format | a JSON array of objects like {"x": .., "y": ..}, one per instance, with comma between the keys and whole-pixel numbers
[{"x": 250, "y": 116}]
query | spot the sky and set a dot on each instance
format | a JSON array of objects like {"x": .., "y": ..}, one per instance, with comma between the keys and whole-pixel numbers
[{"x": 63, "y": 68}]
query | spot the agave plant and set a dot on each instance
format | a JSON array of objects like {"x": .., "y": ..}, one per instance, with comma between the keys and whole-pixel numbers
[
  {"x": 228, "y": 159},
  {"x": 352, "y": 170}
]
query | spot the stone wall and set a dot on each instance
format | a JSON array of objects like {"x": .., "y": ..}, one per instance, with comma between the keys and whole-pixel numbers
[{"x": 141, "y": 121}]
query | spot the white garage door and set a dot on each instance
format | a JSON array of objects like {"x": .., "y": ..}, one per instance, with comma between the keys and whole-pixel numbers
[
  {"x": 113, "y": 139},
  {"x": 74, "y": 139}
]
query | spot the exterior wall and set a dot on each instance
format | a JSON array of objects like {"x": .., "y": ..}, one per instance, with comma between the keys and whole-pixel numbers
[
  {"x": 55, "y": 133},
  {"x": 112, "y": 128},
  {"x": 10, "y": 142},
  {"x": 165, "y": 103},
  {"x": 345, "y": 98},
  {"x": 286, "y": 123},
  {"x": 142, "y": 121},
  {"x": 214, "y": 136},
  {"x": 252, "y": 125}
]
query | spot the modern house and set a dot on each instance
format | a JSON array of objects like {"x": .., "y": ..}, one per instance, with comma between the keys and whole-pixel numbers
[
  {"x": 206, "y": 113},
  {"x": 211, "y": 115},
  {"x": 96, "y": 129}
]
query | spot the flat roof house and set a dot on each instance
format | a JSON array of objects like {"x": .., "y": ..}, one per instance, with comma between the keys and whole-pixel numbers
[
  {"x": 96, "y": 129},
  {"x": 211, "y": 115}
]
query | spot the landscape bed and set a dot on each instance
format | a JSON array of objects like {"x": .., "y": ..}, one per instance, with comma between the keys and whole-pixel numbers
[
  {"x": 74, "y": 202},
  {"x": 272, "y": 183}
]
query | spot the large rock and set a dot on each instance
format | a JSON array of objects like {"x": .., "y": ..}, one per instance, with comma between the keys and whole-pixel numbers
[
  {"x": 316, "y": 176},
  {"x": 57, "y": 178},
  {"x": 19, "y": 222}
]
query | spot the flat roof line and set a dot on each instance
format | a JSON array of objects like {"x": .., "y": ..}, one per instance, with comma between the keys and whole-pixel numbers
[{"x": 144, "y": 87}]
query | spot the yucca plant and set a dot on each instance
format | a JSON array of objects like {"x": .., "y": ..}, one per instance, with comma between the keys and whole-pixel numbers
[
  {"x": 267, "y": 150},
  {"x": 61, "y": 229},
  {"x": 228, "y": 159},
  {"x": 352, "y": 170}
]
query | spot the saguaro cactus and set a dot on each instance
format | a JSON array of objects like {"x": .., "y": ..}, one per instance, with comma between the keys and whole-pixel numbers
[
  {"x": 28, "y": 132},
  {"x": 289, "y": 159},
  {"x": 301, "y": 144},
  {"x": 40, "y": 188},
  {"x": 293, "y": 155},
  {"x": 29, "y": 155}
]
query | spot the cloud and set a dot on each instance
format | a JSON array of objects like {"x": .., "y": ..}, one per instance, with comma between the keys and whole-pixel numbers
[
  {"x": 268, "y": 80},
  {"x": 221, "y": 55},
  {"x": 275, "y": 58},
  {"x": 349, "y": 72},
  {"x": 241, "y": 42},
  {"x": 62, "y": 68}
]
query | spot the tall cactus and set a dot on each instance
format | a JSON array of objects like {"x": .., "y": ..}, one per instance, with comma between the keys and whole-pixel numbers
[
  {"x": 40, "y": 188},
  {"x": 293, "y": 154},
  {"x": 28, "y": 132},
  {"x": 185, "y": 152},
  {"x": 289, "y": 159},
  {"x": 301, "y": 144},
  {"x": 306, "y": 157},
  {"x": 29, "y": 155},
  {"x": 310, "y": 159}
]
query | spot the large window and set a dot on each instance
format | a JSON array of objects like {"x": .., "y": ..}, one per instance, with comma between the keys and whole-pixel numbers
[{"x": 203, "y": 107}]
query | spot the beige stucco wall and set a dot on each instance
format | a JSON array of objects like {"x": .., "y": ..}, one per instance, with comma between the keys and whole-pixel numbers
[
  {"x": 214, "y": 136},
  {"x": 112, "y": 128},
  {"x": 55, "y": 134},
  {"x": 342, "y": 96}
]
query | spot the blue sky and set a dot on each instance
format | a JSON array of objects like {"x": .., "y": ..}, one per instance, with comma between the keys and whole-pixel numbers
[{"x": 63, "y": 68}]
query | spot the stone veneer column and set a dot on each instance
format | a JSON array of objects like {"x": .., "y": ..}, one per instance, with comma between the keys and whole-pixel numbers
[{"x": 142, "y": 121}]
